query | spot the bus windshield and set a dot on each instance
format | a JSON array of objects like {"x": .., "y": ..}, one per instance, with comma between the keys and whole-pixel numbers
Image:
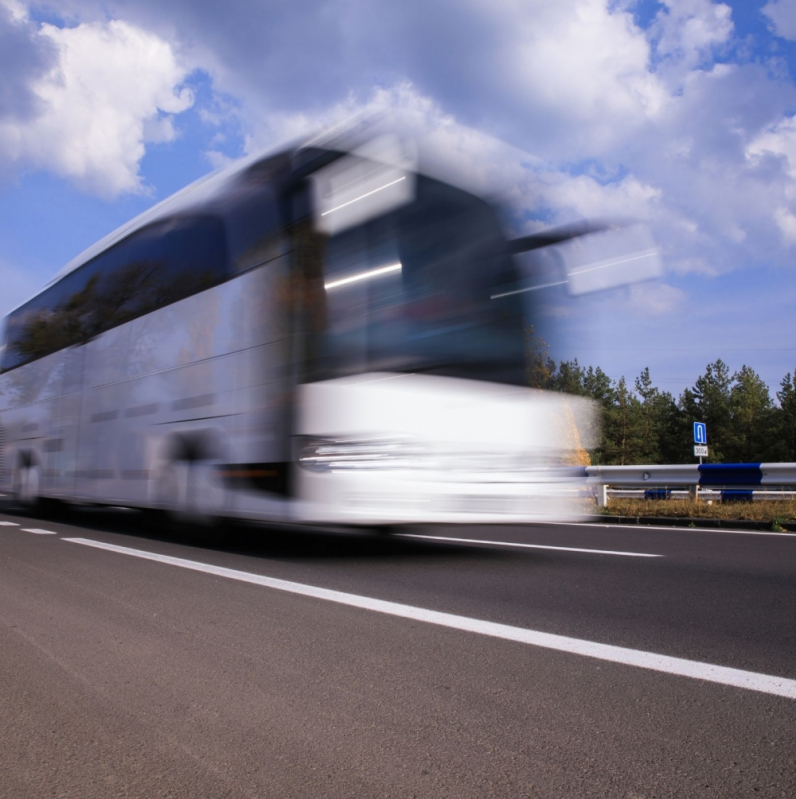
[{"x": 417, "y": 290}]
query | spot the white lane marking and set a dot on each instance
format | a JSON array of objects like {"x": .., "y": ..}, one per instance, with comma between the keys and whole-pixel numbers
[
  {"x": 530, "y": 546},
  {"x": 37, "y": 531},
  {"x": 9, "y": 524},
  {"x": 723, "y": 675},
  {"x": 676, "y": 528}
]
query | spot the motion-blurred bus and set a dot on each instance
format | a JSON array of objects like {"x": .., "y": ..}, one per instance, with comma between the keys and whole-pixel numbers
[{"x": 328, "y": 335}]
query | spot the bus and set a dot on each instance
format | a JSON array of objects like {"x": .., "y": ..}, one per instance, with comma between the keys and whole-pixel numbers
[{"x": 328, "y": 335}]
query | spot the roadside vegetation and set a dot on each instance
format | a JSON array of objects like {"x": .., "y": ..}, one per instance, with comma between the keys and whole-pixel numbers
[
  {"x": 640, "y": 424},
  {"x": 773, "y": 512}
]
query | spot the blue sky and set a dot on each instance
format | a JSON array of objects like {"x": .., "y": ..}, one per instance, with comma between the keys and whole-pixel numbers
[{"x": 681, "y": 112}]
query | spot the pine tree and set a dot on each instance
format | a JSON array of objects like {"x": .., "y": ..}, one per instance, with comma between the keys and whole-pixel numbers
[
  {"x": 570, "y": 378},
  {"x": 786, "y": 419},
  {"x": 751, "y": 412},
  {"x": 709, "y": 402},
  {"x": 624, "y": 425},
  {"x": 649, "y": 423},
  {"x": 674, "y": 431},
  {"x": 539, "y": 366}
]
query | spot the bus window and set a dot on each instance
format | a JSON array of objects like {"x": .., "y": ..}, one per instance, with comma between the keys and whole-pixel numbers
[
  {"x": 254, "y": 228},
  {"x": 412, "y": 291},
  {"x": 154, "y": 267}
]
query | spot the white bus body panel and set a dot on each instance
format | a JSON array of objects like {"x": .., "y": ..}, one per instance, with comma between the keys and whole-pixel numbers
[
  {"x": 479, "y": 451},
  {"x": 98, "y": 420}
]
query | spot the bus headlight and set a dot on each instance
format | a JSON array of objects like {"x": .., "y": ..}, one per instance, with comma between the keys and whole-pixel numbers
[{"x": 326, "y": 455}]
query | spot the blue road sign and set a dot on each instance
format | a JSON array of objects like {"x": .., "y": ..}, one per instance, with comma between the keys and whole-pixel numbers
[{"x": 700, "y": 433}]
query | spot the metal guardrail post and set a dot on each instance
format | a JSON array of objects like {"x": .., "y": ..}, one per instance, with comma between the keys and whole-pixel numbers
[
  {"x": 602, "y": 496},
  {"x": 693, "y": 493}
]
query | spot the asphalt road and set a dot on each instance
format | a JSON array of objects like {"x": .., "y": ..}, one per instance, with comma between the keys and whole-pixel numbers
[{"x": 139, "y": 662}]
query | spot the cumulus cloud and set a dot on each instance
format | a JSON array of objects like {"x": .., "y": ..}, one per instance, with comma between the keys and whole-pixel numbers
[
  {"x": 24, "y": 57},
  {"x": 110, "y": 88},
  {"x": 687, "y": 32},
  {"x": 655, "y": 299},
  {"x": 778, "y": 140},
  {"x": 786, "y": 222},
  {"x": 584, "y": 196},
  {"x": 576, "y": 72},
  {"x": 782, "y": 16},
  {"x": 618, "y": 119}
]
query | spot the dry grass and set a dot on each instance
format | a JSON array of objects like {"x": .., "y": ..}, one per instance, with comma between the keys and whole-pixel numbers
[{"x": 764, "y": 511}]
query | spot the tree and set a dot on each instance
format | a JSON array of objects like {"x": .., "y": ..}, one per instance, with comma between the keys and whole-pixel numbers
[
  {"x": 649, "y": 423},
  {"x": 624, "y": 425},
  {"x": 674, "y": 431},
  {"x": 785, "y": 420},
  {"x": 751, "y": 412},
  {"x": 539, "y": 366},
  {"x": 709, "y": 402},
  {"x": 569, "y": 378},
  {"x": 663, "y": 435},
  {"x": 596, "y": 385}
]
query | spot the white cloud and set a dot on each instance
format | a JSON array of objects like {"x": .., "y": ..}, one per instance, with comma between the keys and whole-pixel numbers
[
  {"x": 782, "y": 14},
  {"x": 655, "y": 299},
  {"x": 111, "y": 90},
  {"x": 777, "y": 140},
  {"x": 687, "y": 31},
  {"x": 24, "y": 57},
  {"x": 583, "y": 196},
  {"x": 786, "y": 222},
  {"x": 621, "y": 121},
  {"x": 582, "y": 65},
  {"x": 16, "y": 9},
  {"x": 691, "y": 266}
]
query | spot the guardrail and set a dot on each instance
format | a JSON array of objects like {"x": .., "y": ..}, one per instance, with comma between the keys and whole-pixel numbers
[{"x": 734, "y": 479}]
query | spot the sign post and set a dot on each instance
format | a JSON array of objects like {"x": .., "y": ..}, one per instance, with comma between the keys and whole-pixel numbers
[{"x": 700, "y": 440}]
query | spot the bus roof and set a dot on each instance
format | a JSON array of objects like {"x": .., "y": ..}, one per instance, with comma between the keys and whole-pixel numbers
[
  {"x": 344, "y": 137},
  {"x": 195, "y": 194}
]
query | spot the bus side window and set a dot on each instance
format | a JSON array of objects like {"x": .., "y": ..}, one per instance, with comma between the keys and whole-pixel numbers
[
  {"x": 62, "y": 315},
  {"x": 160, "y": 265},
  {"x": 152, "y": 268},
  {"x": 254, "y": 228},
  {"x": 195, "y": 256}
]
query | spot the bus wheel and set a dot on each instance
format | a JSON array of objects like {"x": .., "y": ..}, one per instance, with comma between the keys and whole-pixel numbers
[
  {"x": 205, "y": 494},
  {"x": 26, "y": 486},
  {"x": 192, "y": 492}
]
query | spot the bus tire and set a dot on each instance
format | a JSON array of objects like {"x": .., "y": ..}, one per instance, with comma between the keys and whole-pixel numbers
[
  {"x": 192, "y": 493},
  {"x": 27, "y": 481}
]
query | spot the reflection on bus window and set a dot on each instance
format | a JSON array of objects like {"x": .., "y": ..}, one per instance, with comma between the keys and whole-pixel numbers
[
  {"x": 412, "y": 291},
  {"x": 155, "y": 267}
]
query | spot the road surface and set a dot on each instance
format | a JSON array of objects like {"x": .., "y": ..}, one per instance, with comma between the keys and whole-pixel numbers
[{"x": 539, "y": 661}]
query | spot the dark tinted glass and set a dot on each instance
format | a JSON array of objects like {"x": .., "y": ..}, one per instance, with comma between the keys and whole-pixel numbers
[
  {"x": 152, "y": 268},
  {"x": 417, "y": 290},
  {"x": 254, "y": 228}
]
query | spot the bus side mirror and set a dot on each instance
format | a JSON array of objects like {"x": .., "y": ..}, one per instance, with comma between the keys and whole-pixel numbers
[{"x": 596, "y": 256}]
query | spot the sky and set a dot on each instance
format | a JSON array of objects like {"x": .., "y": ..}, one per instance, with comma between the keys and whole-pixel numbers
[{"x": 680, "y": 112}]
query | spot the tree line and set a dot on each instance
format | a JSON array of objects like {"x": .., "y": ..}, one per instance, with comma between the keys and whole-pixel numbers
[{"x": 642, "y": 424}]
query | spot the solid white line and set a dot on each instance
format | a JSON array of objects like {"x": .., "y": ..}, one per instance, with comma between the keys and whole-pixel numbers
[
  {"x": 8, "y": 524},
  {"x": 678, "y": 528},
  {"x": 723, "y": 675},
  {"x": 530, "y": 546},
  {"x": 37, "y": 531}
]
